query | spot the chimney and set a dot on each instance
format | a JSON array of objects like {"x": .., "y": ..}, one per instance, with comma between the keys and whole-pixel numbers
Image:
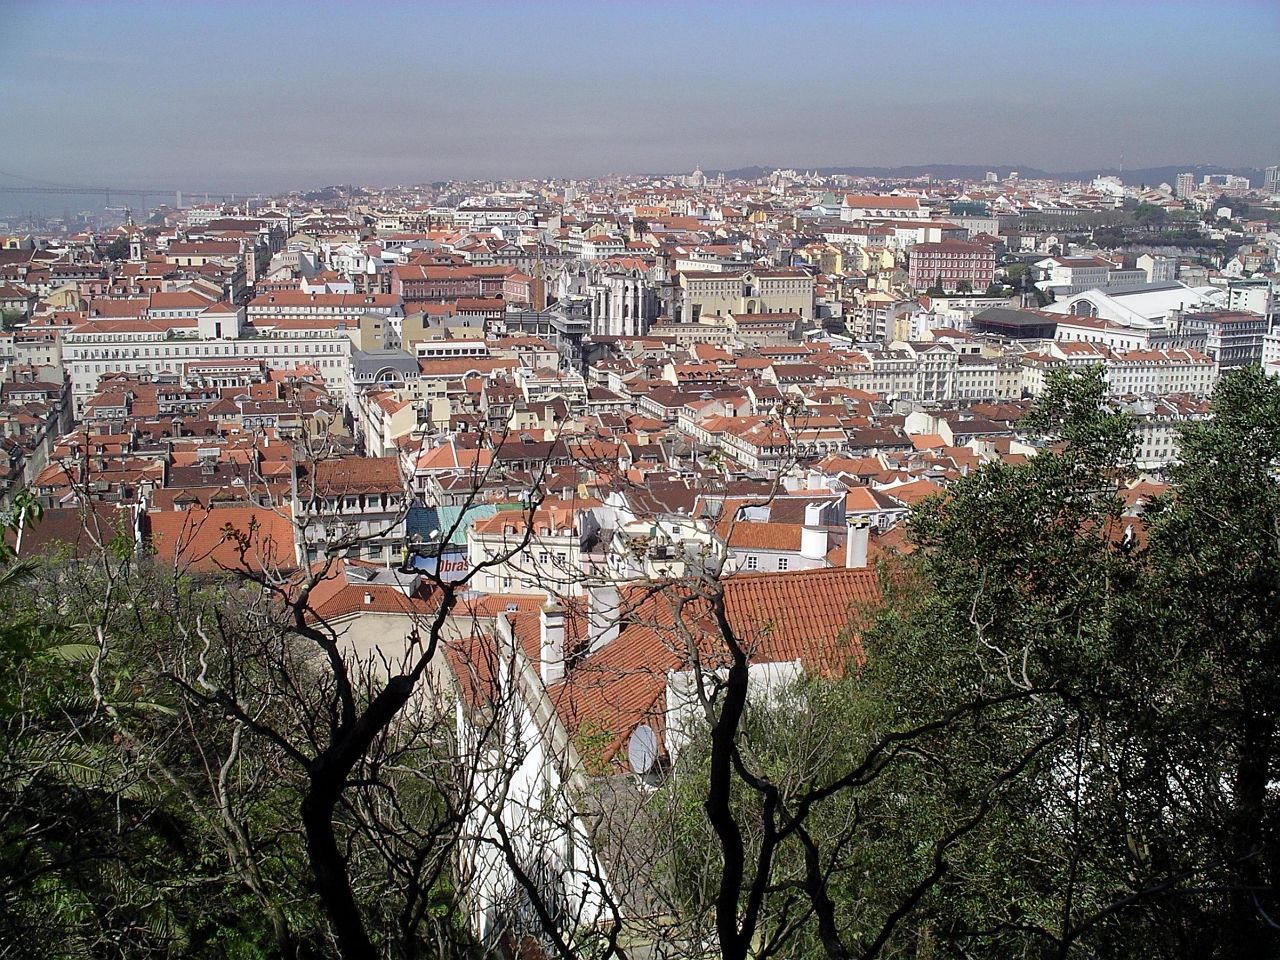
[
  {"x": 813, "y": 536},
  {"x": 551, "y": 652},
  {"x": 604, "y": 614},
  {"x": 813, "y": 542},
  {"x": 855, "y": 548}
]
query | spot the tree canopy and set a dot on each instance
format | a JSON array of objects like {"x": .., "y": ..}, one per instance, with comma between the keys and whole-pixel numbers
[{"x": 1086, "y": 700}]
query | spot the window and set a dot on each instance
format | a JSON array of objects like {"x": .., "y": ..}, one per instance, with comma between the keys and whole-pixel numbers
[
  {"x": 782, "y": 563},
  {"x": 753, "y": 562}
]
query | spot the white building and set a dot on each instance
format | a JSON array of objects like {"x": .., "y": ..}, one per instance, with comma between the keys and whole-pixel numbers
[
  {"x": 1137, "y": 372},
  {"x": 890, "y": 373},
  {"x": 1271, "y": 353},
  {"x": 874, "y": 207},
  {"x": 539, "y": 384},
  {"x": 1271, "y": 181},
  {"x": 1158, "y": 269},
  {"x": 773, "y": 547},
  {"x": 1158, "y": 373},
  {"x": 1140, "y": 305},
  {"x": 550, "y": 562},
  {"x": 1068, "y": 275},
  {"x": 1252, "y": 296},
  {"x": 154, "y": 347}
]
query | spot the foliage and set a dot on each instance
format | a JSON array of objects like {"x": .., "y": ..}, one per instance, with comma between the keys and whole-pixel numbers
[
  {"x": 591, "y": 740},
  {"x": 135, "y": 823},
  {"x": 105, "y": 824},
  {"x": 1112, "y": 236},
  {"x": 1216, "y": 562},
  {"x": 1149, "y": 215},
  {"x": 117, "y": 249},
  {"x": 1085, "y": 704}
]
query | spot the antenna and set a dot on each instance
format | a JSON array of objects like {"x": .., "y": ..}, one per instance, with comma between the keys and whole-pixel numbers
[{"x": 642, "y": 749}]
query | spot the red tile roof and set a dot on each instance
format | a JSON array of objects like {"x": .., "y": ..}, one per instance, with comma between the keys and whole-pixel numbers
[
  {"x": 354, "y": 475},
  {"x": 810, "y": 616},
  {"x": 223, "y": 538}
]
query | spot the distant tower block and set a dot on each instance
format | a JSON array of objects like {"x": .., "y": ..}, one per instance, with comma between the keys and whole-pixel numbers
[{"x": 177, "y": 200}]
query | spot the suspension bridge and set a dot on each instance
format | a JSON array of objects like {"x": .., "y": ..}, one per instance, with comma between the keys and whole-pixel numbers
[{"x": 15, "y": 184}]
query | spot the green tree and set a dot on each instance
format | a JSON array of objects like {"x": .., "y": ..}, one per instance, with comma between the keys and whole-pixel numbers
[
  {"x": 129, "y": 826},
  {"x": 1215, "y": 558},
  {"x": 1149, "y": 215},
  {"x": 1082, "y": 721},
  {"x": 117, "y": 249},
  {"x": 135, "y": 822},
  {"x": 1109, "y": 236},
  {"x": 1153, "y": 824}
]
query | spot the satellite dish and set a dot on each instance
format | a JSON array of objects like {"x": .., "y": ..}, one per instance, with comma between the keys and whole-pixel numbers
[{"x": 642, "y": 750}]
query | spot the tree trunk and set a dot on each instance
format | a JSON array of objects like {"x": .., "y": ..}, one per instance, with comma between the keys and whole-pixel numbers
[
  {"x": 1247, "y": 933},
  {"x": 733, "y": 941},
  {"x": 329, "y": 870},
  {"x": 327, "y": 778}
]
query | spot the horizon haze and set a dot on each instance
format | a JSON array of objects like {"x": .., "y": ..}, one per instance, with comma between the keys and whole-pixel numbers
[{"x": 237, "y": 96}]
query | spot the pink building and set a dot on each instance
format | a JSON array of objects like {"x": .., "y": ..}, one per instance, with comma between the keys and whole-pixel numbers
[{"x": 951, "y": 263}]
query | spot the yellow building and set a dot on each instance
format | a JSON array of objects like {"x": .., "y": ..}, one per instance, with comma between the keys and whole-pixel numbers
[
  {"x": 873, "y": 260},
  {"x": 827, "y": 257},
  {"x": 714, "y": 294},
  {"x": 66, "y": 297},
  {"x": 901, "y": 327}
]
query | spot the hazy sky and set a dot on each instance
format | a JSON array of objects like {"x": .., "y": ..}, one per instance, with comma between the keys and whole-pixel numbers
[{"x": 271, "y": 95}]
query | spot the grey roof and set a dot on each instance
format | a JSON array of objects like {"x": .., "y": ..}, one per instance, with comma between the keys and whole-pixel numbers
[
  {"x": 367, "y": 364},
  {"x": 1127, "y": 288},
  {"x": 1012, "y": 317}
]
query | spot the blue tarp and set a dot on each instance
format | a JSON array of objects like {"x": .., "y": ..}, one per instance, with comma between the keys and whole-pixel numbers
[{"x": 428, "y": 523}]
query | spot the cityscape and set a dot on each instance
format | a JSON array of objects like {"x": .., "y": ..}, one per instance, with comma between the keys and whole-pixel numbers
[{"x": 430, "y": 539}]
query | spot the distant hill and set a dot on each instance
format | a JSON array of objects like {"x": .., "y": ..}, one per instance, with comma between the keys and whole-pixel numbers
[{"x": 1152, "y": 176}]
